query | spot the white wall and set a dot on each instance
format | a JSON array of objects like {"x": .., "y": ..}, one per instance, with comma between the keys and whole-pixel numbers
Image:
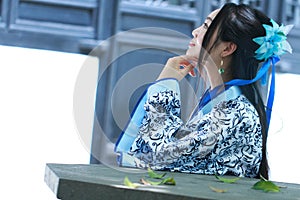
[
  {"x": 284, "y": 135},
  {"x": 36, "y": 118}
]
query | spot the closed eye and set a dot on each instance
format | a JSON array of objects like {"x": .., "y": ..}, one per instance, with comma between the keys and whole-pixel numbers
[{"x": 205, "y": 25}]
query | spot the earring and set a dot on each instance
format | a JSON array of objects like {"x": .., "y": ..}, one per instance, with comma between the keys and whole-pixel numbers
[{"x": 221, "y": 70}]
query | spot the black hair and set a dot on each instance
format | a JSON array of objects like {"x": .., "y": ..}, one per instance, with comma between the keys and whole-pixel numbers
[{"x": 240, "y": 24}]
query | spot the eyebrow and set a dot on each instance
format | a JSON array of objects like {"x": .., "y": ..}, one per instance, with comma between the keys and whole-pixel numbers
[{"x": 209, "y": 18}]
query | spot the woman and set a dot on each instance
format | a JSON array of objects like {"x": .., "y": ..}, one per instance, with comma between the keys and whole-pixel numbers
[{"x": 227, "y": 133}]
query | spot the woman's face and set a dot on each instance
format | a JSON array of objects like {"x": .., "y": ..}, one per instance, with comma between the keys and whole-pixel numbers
[{"x": 198, "y": 34}]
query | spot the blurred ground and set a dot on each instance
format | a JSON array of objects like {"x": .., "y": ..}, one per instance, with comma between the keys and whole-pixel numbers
[{"x": 37, "y": 122}]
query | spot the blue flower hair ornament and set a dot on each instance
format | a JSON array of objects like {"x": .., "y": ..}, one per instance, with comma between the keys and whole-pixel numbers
[{"x": 272, "y": 45}]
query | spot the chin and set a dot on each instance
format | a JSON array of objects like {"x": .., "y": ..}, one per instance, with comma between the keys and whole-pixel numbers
[{"x": 192, "y": 52}]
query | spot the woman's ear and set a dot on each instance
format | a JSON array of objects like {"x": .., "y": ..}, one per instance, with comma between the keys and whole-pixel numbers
[{"x": 229, "y": 48}]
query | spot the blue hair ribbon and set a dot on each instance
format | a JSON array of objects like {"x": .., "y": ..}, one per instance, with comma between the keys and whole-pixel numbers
[
  {"x": 262, "y": 72},
  {"x": 271, "y": 46}
]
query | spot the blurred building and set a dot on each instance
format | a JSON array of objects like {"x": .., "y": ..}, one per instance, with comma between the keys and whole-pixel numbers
[{"x": 79, "y": 25}]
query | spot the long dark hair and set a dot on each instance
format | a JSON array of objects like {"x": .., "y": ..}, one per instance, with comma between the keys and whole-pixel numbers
[{"x": 240, "y": 24}]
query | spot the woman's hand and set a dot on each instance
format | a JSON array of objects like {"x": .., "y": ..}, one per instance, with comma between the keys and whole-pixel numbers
[{"x": 178, "y": 67}]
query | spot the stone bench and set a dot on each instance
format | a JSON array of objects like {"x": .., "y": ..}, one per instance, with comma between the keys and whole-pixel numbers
[{"x": 84, "y": 182}]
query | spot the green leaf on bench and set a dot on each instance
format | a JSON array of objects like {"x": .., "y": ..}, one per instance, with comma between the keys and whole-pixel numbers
[
  {"x": 265, "y": 185},
  {"x": 155, "y": 175},
  {"x": 218, "y": 190},
  {"x": 130, "y": 184},
  {"x": 227, "y": 180},
  {"x": 169, "y": 181}
]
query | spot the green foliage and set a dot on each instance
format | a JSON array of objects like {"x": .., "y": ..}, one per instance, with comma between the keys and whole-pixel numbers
[
  {"x": 227, "y": 180},
  {"x": 155, "y": 175},
  {"x": 167, "y": 181},
  {"x": 263, "y": 184},
  {"x": 266, "y": 186},
  {"x": 128, "y": 183},
  {"x": 147, "y": 182}
]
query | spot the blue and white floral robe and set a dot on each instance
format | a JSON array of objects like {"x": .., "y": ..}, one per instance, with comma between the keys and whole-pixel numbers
[{"x": 224, "y": 137}]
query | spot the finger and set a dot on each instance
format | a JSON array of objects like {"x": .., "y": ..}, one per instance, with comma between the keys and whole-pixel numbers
[
  {"x": 187, "y": 62},
  {"x": 187, "y": 69},
  {"x": 192, "y": 73}
]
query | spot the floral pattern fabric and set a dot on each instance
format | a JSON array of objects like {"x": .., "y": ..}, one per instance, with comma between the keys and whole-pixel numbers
[{"x": 227, "y": 140}]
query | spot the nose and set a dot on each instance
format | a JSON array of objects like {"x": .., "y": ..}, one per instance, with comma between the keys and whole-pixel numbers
[{"x": 195, "y": 32}]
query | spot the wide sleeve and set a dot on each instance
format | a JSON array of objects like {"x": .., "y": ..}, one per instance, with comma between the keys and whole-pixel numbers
[
  {"x": 166, "y": 87},
  {"x": 164, "y": 153},
  {"x": 156, "y": 143}
]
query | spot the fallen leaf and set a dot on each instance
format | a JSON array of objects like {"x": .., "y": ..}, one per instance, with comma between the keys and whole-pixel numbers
[
  {"x": 166, "y": 181},
  {"x": 169, "y": 181},
  {"x": 155, "y": 175},
  {"x": 217, "y": 189},
  {"x": 147, "y": 182},
  {"x": 227, "y": 180},
  {"x": 128, "y": 183},
  {"x": 266, "y": 186}
]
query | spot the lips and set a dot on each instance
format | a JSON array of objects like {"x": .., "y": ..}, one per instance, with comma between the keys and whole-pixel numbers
[{"x": 192, "y": 44}]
